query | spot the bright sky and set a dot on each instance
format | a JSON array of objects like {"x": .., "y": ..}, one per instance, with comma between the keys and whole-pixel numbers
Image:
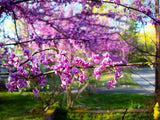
[{"x": 7, "y": 25}]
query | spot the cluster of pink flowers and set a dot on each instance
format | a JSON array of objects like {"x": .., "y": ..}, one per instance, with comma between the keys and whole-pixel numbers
[
  {"x": 23, "y": 72},
  {"x": 29, "y": 69},
  {"x": 67, "y": 70},
  {"x": 104, "y": 62},
  {"x": 27, "y": 53},
  {"x": 80, "y": 62},
  {"x": 117, "y": 75},
  {"x": 15, "y": 82}
]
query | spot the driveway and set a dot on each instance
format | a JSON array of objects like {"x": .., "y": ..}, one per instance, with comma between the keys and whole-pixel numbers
[{"x": 145, "y": 77}]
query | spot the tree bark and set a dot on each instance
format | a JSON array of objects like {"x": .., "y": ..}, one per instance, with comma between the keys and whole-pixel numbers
[{"x": 157, "y": 66}]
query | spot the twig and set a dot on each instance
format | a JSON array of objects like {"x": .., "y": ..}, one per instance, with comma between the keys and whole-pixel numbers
[
  {"x": 135, "y": 9},
  {"x": 17, "y": 43},
  {"x": 15, "y": 26},
  {"x": 124, "y": 114},
  {"x": 79, "y": 92}
]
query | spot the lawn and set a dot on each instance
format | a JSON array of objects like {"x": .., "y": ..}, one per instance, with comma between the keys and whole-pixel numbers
[
  {"x": 115, "y": 101},
  {"x": 16, "y": 106},
  {"x": 108, "y": 116}
]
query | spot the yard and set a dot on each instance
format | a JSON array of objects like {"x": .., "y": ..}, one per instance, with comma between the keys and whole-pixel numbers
[
  {"x": 18, "y": 106},
  {"x": 23, "y": 105}
]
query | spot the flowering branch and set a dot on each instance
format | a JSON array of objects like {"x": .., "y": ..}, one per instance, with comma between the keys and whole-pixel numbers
[
  {"x": 108, "y": 66},
  {"x": 140, "y": 11}
]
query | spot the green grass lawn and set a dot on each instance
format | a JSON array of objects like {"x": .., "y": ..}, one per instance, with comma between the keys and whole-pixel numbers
[
  {"x": 115, "y": 101},
  {"x": 107, "y": 116},
  {"x": 15, "y": 106},
  {"x": 107, "y": 101}
]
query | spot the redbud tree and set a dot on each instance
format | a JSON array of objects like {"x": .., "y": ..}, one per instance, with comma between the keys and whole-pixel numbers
[{"x": 67, "y": 37}]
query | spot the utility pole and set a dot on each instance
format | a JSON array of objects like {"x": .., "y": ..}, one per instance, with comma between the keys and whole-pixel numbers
[{"x": 157, "y": 60}]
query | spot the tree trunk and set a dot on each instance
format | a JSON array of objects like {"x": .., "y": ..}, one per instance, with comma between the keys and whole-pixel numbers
[
  {"x": 68, "y": 95},
  {"x": 157, "y": 66}
]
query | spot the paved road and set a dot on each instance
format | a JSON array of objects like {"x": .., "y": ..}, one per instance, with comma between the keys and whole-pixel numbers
[
  {"x": 145, "y": 77},
  {"x": 125, "y": 90},
  {"x": 138, "y": 90}
]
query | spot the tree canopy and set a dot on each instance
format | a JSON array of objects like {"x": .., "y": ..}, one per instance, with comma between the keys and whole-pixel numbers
[{"x": 67, "y": 37}]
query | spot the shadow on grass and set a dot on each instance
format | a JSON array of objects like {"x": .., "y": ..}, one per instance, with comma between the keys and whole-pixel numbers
[{"x": 61, "y": 115}]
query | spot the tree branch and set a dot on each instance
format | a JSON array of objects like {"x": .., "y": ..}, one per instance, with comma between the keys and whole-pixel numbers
[
  {"x": 79, "y": 92},
  {"x": 18, "y": 43},
  {"x": 134, "y": 10},
  {"x": 15, "y": 26},
  {"x": 137, "y": 47},
  {"x": 108, "y": 66},
  {"x": 124, "y": 113}
]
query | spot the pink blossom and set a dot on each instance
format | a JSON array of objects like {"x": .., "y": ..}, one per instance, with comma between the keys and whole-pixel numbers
[
  {"x": 117, "y": 1},
  {"x": 65, "y": 79},
  {"x": 106, "y": 61},
  {"x": 106, "y": 55},
  {"x": 45, "y": 60},
  {"x": 35, "y": 92},
  {"x": 110, "y": 84},
  {"x": 80, "y": 62},
  {"x": 66, "y": 65},
  {"x": 16, "y": 62},
  {"x": 75, "y": 71},
  {"x": 11, "y": 57},
  {"x": 98, "y": 76},
  {"x": 96, "y": 59},
  {"x": 25, "y": 73},
  {"x": 97, "y": 72},
  {"x": 27, "y": 53},
  {"x": 42, "y": 80},
  {"x": 117, "y": 75},
  {"x": 82, "y": 76},
  {"x": 21, "y": 83},
  {"x": 11, "y": 86}
]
